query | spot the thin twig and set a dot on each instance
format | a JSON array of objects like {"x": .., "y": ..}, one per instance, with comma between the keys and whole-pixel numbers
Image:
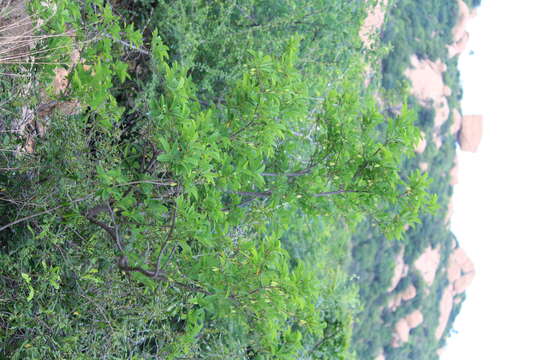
[
  {"x": 117, "y": 237},
  {"x": 126, "y": 44},
  {"x": 48, "y": 211},
  {"x": 167, "y": 239}
]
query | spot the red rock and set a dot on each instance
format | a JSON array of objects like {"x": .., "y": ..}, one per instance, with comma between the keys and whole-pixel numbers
[
  {"x": 408, "y": 294},
  {"x": 445, "y": 308},
  {"x": 428, "y": 86},
  {"x": 414, "y": 319},
  {"x": 400, "y": 270},
  {"x": 461, "y": 284},
  {"x": 471, "y": 132},
  {"x": 428, "y": 263},
  {"x": 404, "y": 326},
  {"x": 402, "y": 331}
]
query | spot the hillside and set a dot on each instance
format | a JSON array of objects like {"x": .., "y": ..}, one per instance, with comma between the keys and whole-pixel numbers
[
  {"x": 424, "y": 294},
  {"x": 230, "y": 180}
]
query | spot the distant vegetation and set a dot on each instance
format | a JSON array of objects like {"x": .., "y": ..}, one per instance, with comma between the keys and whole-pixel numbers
[{"x": 226, "y": 187}]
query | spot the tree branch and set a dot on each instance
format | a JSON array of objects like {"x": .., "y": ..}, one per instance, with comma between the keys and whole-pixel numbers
[
  {"x": 164, "y": 244},
  {"x": 48, "y": 211},
  {"x": 337, "y": 192}
]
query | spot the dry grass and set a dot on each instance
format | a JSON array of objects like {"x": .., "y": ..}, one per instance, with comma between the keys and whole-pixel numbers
[
  {"x": 20, "y": 34},
  {"x": 17, "y": 30}
]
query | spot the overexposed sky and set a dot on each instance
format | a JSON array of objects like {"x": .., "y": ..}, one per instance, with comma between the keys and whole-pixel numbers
[{"x": 496, "y": 202}]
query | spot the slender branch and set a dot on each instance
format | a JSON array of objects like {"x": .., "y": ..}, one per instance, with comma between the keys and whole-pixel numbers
[
  {"x": 167, "y": 239},
  {"x": 337, "y": 192},
  {"x": 153, "y": 182},
  {"x": 117, "y": 237},
  {"x": 261, "y": 194},
  {"x": 193, "y": 288},
  {"x": 107, "y": 228},
  {"x": 48, "y": 211},
  {"x": 126, "y": 44},
  {"x": 317, "y": 345},
  {"x": 293, "y": 174},
  {"x": 239, "y": 131},
  {"x": 123, "y": 265}
]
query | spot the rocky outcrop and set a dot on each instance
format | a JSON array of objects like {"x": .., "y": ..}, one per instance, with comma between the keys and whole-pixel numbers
[
  {"x": 400, "y": 270},
  {"x": 372, "y": 23},
  {"x": 428, "y": 263},
  {"x": 368, "y": 32},
  {"x": 460, "y": 271},
  {"x": 404, "y": 326},
  {"x": 445, "y": 309},
  {"x": 428, "y": 86},
  {"x": 460, "y": 274},
  {"x": 408, "y": 294},
  {"x": 470, "y": 133},
  {"x": 459, "y": 33}
]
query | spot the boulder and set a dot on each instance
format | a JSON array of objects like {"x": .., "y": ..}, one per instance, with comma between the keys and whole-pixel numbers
[
  {"x": 461, "y": 284},
  {"x": 428, "y": 263},
  {"x": 404, "y": 326},
  {"x": 400, "y": 270},
  {"x": 460, "y": 271},
  {"x": 460, "y": 35},
  {"x": 402, "y": 331},
  {"x": 414, "y": 319},
  {"x": 445, "y": 309},
  {"x": 408, "y": 294},
  {"x": 470, "y": 133}
]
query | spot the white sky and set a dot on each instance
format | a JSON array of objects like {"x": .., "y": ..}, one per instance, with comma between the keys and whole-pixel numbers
[{"x": 496, "y": 216}]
